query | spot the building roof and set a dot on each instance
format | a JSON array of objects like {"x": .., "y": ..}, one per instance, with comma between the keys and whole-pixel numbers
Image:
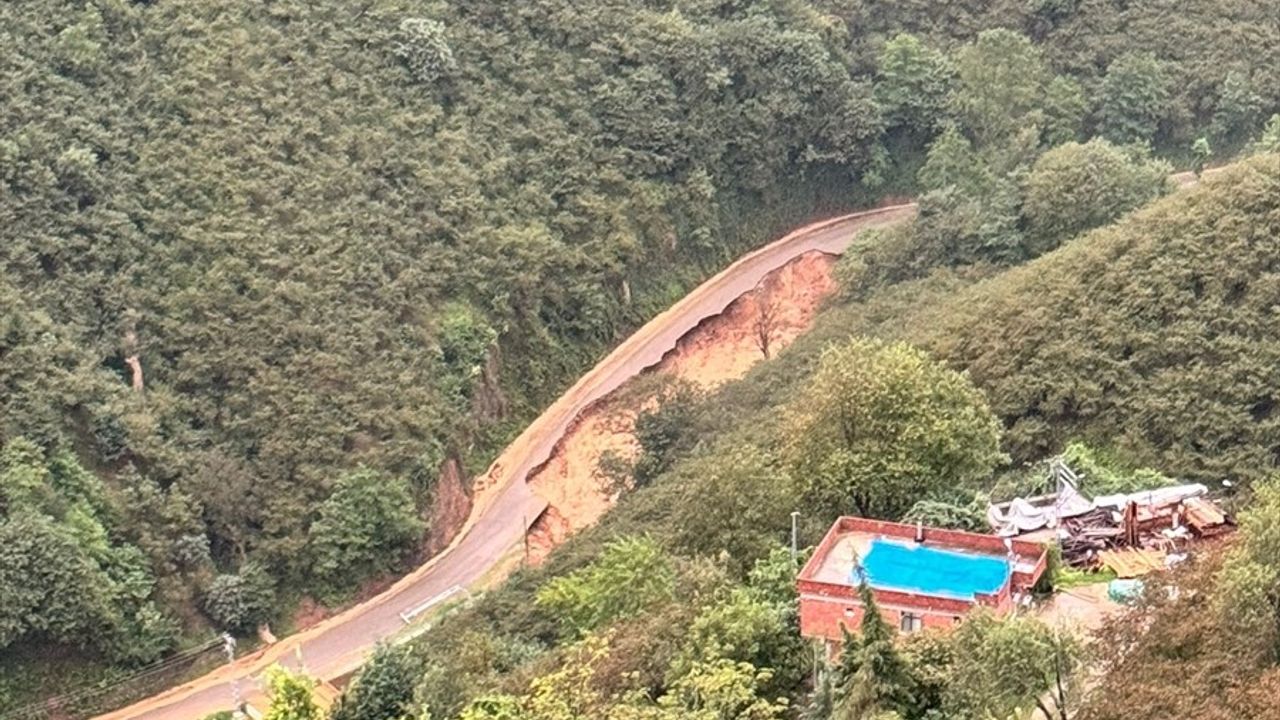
[{"x": 912, "y": 561}]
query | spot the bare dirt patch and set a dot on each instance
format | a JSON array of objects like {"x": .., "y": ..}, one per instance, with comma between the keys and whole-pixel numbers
[
  {"x": 772, "y": 316},
  {"x": 568, "y": 481},
  {"x": 720, "y": 349}
]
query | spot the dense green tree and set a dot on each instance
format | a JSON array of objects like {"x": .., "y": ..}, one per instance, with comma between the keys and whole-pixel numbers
[
  {"x": 290, "y": 696},
  {"x": 49, "y": 587},
  {"x": 742, "y": 628},
  {"x": 630, "y": 575},
  {"x": 1133, "y": 98},
  {"x": 240, "y": 601},
  {"x": 952, "y": 162},
  {"x": 1065, "y": 107},
  {"x": 737, "y": 504},
  {"x": 722, "y": 690},
  {"x": 1000, "y": 665},
  {"x": 364, "y": 527},
  {"x": 384, "y": 688},
  {"x": 881, "y": 426},
  {"x": 875, "y": 678},
  {"x": 1077, "y": 187},
  {"x": 1000, "y": 84},
  {"x": 67, "y": 575},
  {"x": 663, "y": 433},
  {"x": 1238, "y": 109},
  {"x": 912, "y": 84}
]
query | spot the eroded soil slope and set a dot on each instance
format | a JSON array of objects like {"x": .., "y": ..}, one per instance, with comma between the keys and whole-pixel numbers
[{"x": 720, "y": 349}]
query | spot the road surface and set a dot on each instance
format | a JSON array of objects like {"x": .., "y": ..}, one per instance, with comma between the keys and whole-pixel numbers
[{"x": 504, "y": 506}]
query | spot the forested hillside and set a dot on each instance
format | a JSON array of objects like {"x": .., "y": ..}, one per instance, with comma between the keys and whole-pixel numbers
[{"x": 268, "y": 266}]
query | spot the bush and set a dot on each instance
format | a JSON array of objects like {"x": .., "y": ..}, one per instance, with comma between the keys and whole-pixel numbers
[
  {"x": 630, "y": 575},
  {"x": 365, "y": 527},
  {"x": 241, "y": 601},
  {"x": 422, "y": 46},
  {"x": 1077, "y": 187}
]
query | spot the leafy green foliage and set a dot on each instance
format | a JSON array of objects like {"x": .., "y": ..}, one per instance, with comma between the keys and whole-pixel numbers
[
  {"x": 336, "y": 236},
  {"x": 953, "y": 162},
  {"x": 742, "y": 627},
  {"x": 1134, "y": 98},
  {"x": 631, "y": 574},
  {"x": 1065, "y": 106},
  {"x": 875, "y": 678},
  {"x": 366, "y": 526},
  {"x": 384, "y": 688},
  {"x": 49, "y": 586},
  {"x": 241, "y": 601},
  {"x": 1000, "y": 80},
  {"x": 1103, "y": 475},
  {"x": 912, "y": 84},
  {"x": 662, "y": 433},
  {"x": 937, "y": 513},
  {"x": 290, "y": 696},
  {"x": 1088, "y": 354},
  {"x": 1000, "y": 665},
  {"x": 63, "y": 575},
  {"x": 1077, "y": 187},
  {"x": 737, "y": 504},
  {"x": 881, "y": 426}
]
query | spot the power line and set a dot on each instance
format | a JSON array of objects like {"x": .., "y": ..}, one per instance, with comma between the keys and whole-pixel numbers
[{"x": 111, "y": 683}]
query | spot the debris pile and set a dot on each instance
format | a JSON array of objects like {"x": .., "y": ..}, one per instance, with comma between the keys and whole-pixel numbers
[{"x": 1131, "y": 533}]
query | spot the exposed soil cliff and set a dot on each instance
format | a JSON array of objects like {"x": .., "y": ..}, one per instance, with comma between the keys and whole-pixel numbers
[{"x": 720, "y": 349}]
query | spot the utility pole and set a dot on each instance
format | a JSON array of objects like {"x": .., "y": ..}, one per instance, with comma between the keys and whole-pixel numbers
[
  {"x": 237, "y": 704},
  {"x": 795, "y": 515}
]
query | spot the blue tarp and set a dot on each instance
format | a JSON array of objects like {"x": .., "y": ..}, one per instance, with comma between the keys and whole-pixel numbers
[{"x": 909, "y": 567}]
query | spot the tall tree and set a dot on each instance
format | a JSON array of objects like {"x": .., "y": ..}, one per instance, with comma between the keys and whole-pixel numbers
[
  {"x": 1133, "y": 98},
  {"x": 1073, "y": 188},
  {"x": 384, "y": 688},
  {"x": 366, "y": 526},
  {"x": 912, "y": 84},
  {"x": 881, "y": 426},
  {"x": 1001, "y": 78},
  {"x": 876, "y": 678}
]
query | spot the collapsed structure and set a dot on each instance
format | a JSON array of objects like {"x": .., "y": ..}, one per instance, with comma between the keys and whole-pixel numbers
[
  {"x": 1130, "y": 533},
  {"x": 918, "y": 576}
]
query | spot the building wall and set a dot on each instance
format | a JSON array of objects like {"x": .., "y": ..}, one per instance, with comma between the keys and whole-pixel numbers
[
  {"x": 822, "y": 617},
  {"x": 825, "y": 606}
]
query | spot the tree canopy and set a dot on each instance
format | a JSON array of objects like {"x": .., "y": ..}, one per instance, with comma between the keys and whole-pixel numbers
[{"x": 881, "y": 426}]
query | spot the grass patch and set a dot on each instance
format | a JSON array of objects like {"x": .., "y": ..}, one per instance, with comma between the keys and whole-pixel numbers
[{"x": 1066, "y": 578}]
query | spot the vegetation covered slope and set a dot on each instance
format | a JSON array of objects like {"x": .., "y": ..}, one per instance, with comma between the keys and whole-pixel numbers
[
  {"x": 1155, "y": 335},
  {"x": 267, "y": 261},
  {"x": 709, "y": 626}
]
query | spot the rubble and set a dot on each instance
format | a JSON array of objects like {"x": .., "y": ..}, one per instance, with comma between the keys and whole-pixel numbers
[{"x": 1132, "y": 533}]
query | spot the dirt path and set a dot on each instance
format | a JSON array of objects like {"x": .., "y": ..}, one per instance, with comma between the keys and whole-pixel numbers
[{"x": 721, "y": 348}]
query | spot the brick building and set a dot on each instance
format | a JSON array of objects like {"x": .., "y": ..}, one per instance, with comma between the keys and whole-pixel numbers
[{"x": 919, "y": 576}]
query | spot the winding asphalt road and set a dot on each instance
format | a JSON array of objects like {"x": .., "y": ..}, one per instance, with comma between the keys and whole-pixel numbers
[{"x": 505, "y": 506}]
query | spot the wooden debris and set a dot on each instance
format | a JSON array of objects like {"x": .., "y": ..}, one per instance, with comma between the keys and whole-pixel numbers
[{"x": 1132, "y": 562}]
